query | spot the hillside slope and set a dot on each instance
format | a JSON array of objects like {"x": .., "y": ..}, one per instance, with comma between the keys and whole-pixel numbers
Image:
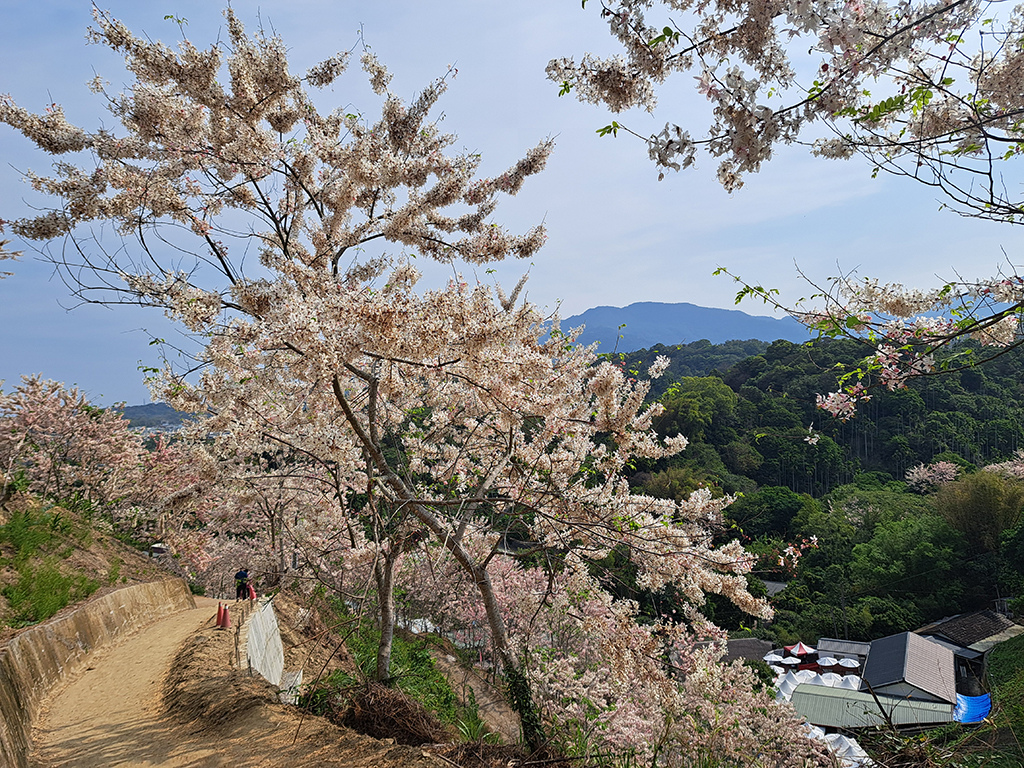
[{"x": 170, "y": 696}]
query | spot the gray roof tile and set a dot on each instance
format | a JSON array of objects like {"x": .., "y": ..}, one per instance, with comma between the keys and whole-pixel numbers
[{"x": 910, "y": 658}]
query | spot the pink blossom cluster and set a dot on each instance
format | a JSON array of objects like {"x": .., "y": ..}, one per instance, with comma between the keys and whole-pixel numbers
[
  {"x": 1012, "y": 468},
  {"x": 607, "y": 682},
  {"x": 843, "y": 404},
  {"x": 927, "y": 477},
  {"x": 789, "y": 558},
  {"x": 65, "y": 446}
]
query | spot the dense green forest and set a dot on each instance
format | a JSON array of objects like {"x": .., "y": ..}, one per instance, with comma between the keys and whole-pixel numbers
[{"x": 879, "y": 555}]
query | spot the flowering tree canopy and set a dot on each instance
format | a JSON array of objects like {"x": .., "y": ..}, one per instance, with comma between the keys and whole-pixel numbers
[
  {"x": 65, "y": 447},
  {"x": 928, "y": 90},
  {"x": 455, "y": 414}
]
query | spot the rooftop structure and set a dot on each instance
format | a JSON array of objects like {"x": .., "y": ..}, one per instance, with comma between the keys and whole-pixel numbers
[
  {"x": 910, "y": 666},
  {"x": 978, "y": 631},
  {"x": 746, "y": 648},
  {"x": 829, "y": 646},
  {"x": 843, "y": 708}
]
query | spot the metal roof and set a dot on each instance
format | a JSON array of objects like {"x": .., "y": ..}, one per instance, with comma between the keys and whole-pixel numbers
[
  {"x": 964, "y": 653},
  {"x": 830, "y": 646},
  {"x": 912, "y": 659},
  {"x": 842, "y": 708}
]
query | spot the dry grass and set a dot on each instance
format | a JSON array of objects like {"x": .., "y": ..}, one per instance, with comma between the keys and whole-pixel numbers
[
  {"x": 387, "y": 713},
  {"x": 475, "y": 754}
]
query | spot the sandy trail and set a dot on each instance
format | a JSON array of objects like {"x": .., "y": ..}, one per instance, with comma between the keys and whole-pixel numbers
[{"x": 112, "y": 714}]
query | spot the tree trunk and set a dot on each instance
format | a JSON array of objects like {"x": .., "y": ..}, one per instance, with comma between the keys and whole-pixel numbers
[
  {"x": 516, "y": 681},
  {"x": 518, "y": 684},
  {"x": 384, "y": 572}
]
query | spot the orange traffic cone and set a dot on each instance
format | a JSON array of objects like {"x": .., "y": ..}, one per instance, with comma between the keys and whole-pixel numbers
[
  {"x": 220, "y": 613},
  {"x": 225, "y": 621}
]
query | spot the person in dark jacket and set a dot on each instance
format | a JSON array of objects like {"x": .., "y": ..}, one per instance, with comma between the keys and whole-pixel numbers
[{"x": 242, "y": 584}]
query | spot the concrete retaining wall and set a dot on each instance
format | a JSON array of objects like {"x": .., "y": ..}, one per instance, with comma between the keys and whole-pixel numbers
[{"x": 32, "y": 662}]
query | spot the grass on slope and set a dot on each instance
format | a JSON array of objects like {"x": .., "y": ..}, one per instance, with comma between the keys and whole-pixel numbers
[{"x": 51, "y": 557}]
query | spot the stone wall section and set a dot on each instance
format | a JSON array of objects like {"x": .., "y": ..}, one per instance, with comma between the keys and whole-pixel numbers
[{"x": 32, "y": 662}]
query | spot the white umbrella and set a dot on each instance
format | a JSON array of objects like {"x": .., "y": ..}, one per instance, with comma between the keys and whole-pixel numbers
[
  {"x": 851, "y": 682},
  {"x": 831, "y": 679},
  {"x": 849, "y": 663},
  {"x": 777, "y": 669},
  {"x": 792, "y": 660},
  {"x": 827, "y": 661},
  {"x": 772, "y": 658},
  {"x": 805, "y": 675}
]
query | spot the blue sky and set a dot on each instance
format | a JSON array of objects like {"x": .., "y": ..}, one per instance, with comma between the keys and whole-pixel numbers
[{"x": 616, "y": 234}]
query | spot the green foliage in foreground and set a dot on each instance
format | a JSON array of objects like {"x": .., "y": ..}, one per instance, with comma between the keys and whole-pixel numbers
[
  {"x": 35, "y": 543},
  {"x": 413, "y": 672},
  {"x": 1006, "y": 681},
  {"x": 31, "y": 532},
  {"x": 43, "y": 590}
]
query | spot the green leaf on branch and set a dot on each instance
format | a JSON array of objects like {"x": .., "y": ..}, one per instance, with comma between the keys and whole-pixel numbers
[{"x": 666, "y": 34}]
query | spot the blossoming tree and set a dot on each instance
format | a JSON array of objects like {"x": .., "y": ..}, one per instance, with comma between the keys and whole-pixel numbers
[
  {"x": 651, "y": 688},
  {"x": 65, "y": 447},
  {"x": 927, "y": 90},
  {"x": 442, "y": 413}
]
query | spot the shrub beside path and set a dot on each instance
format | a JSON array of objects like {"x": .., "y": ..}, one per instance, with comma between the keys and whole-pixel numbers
[{"x": 126, "y": 709}]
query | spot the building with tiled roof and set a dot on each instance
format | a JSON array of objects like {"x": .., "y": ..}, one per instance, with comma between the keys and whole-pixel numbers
[
  {"x": 978, "y": 631},
  {"x": 909, "y": 666}
]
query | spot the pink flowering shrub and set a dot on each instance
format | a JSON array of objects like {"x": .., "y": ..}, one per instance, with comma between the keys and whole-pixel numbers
[
  {"x": 1013, "y": 468},
  {"x": 927, "y": 477},
  {"x": 606, "y": 681}
]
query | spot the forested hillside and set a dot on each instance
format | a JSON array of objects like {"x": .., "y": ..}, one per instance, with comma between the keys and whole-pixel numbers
[
  {"x": 871, "y": 549},
  {"x": 749, "y": 421}
]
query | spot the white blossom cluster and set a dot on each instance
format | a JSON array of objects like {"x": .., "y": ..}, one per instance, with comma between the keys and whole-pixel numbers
[{"x": 923, "y": 88}]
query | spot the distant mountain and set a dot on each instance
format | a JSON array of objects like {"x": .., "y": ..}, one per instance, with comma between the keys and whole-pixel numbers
[
  {"x": 154, "y": 416},
  {"x": 651, "y": 322}
]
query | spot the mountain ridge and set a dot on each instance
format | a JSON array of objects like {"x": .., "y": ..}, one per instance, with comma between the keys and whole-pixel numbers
[{"x": 648, "y": 323}]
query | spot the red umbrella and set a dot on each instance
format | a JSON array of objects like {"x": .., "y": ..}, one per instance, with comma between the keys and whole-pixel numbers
[{"x": 799, "y": 649}]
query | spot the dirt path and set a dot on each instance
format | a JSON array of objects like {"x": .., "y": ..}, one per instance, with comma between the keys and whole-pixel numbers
[
  {"x": 493, "y": 708},
  {"x": 110, "y": 714},
  {"x": 114, "y": 713}
]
